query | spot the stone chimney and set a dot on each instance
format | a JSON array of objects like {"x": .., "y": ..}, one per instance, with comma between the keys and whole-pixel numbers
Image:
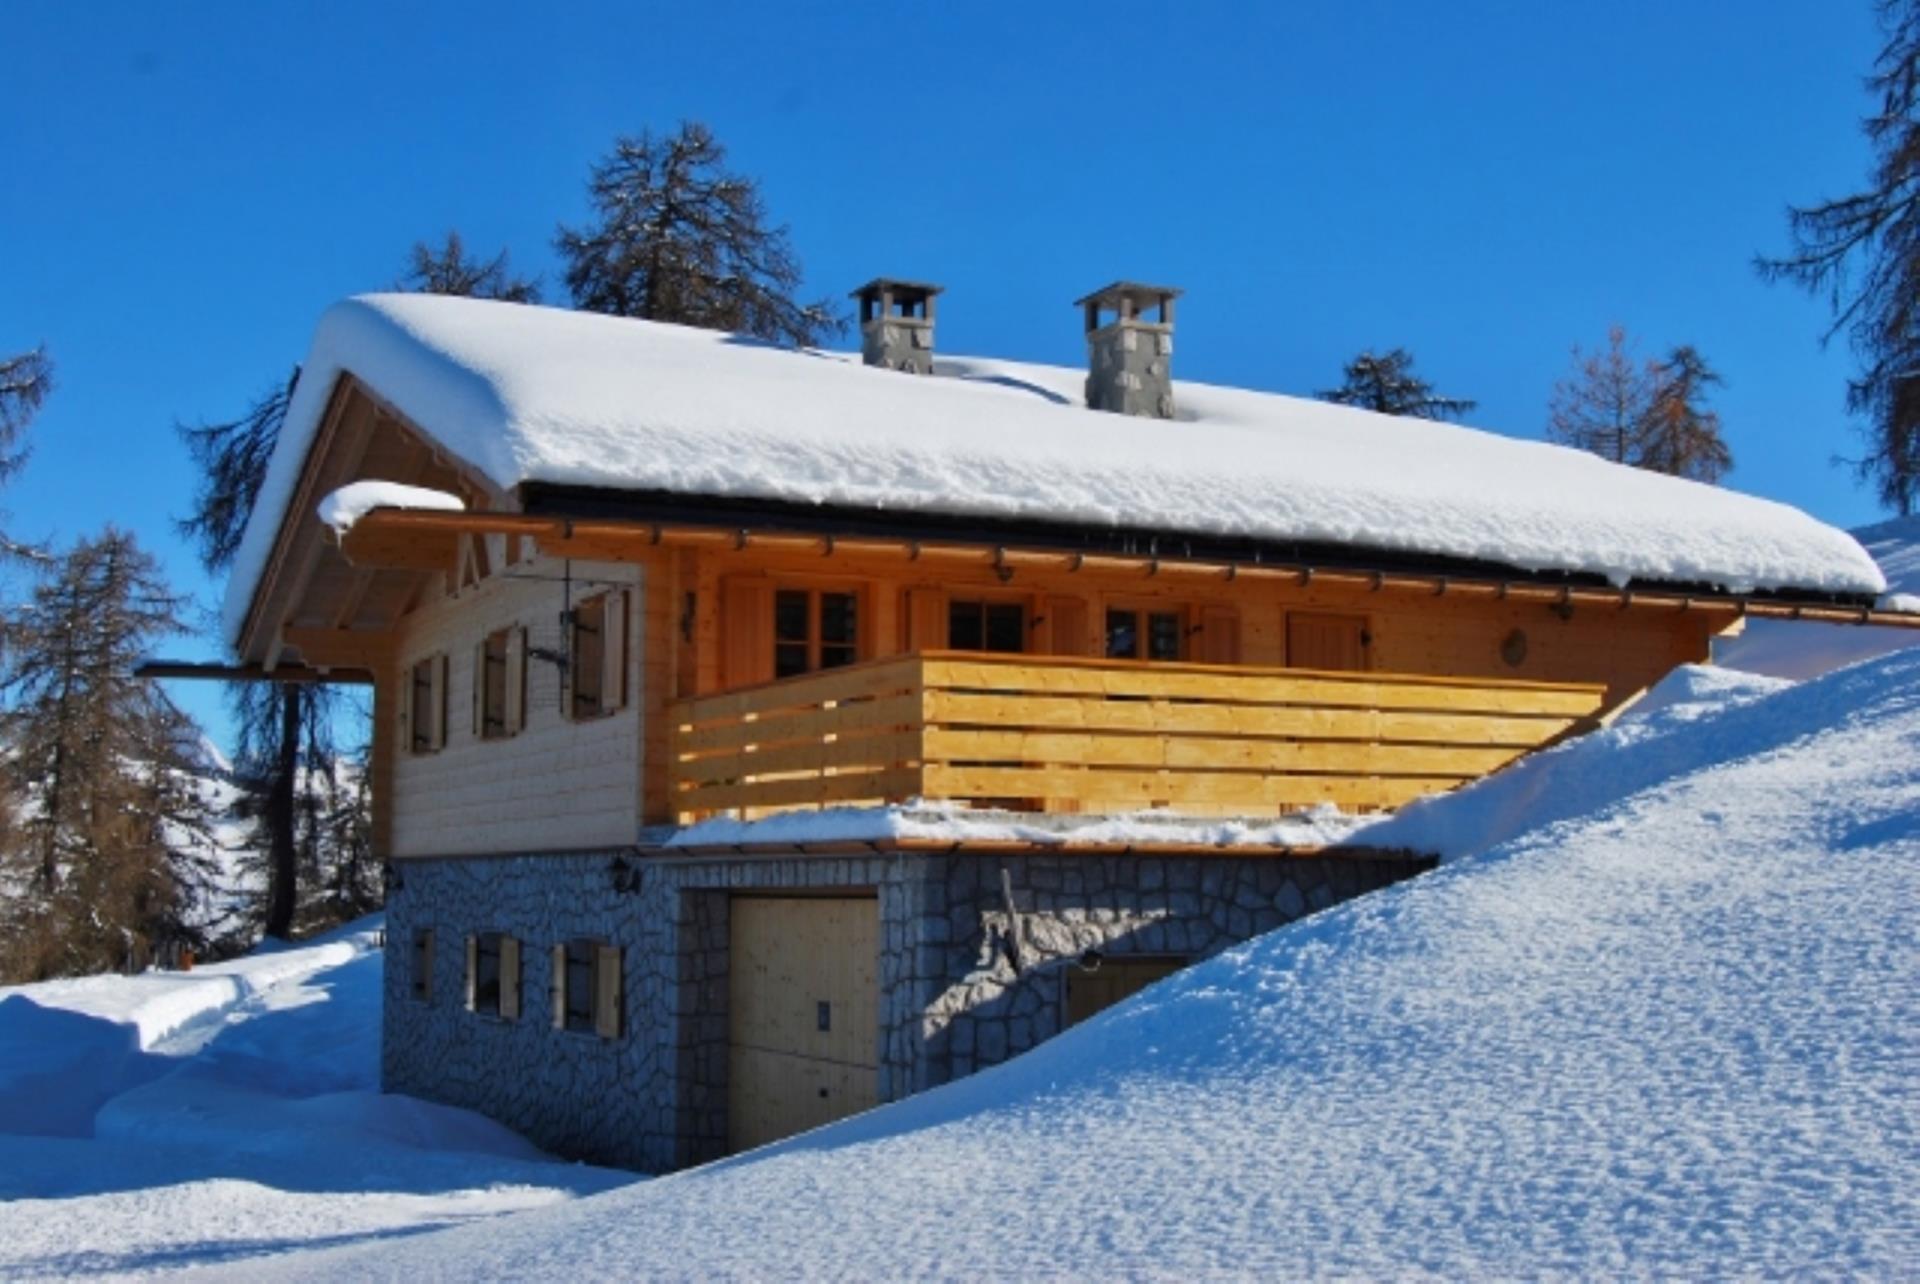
[
  {"x": 896, "y": 324},
  {"x": 1130, "y": 357}
]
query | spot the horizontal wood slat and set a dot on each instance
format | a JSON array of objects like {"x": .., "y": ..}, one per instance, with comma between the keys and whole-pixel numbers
[{"x": 1071, "y": 734}]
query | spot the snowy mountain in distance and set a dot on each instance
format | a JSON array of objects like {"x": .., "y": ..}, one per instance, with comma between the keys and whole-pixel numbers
[
  {"x": 1654, "y": 1016},
  {"x": 1799, "y": 649}
]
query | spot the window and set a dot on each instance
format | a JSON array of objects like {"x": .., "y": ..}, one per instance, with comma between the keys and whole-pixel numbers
[
  {"x": 586, "y": 989},
  {"x": 493, "y": 975},
  {"x": 814, "y": 629},
  {"x": 421, "y": 982},
  {"x": 597, "y": 656},
  {"x": 426, "y": 706},
  {"x": 1144, "y": 635},
  {"x": 500, "y": 684},
  {"x": 987, "y": 626}
]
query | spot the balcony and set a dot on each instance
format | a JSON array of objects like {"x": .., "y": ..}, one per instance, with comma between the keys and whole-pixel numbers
[{"x": 1066, "y": 734}]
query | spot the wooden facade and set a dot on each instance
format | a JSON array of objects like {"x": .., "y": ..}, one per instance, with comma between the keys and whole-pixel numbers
[{"x": 1025, "y": 676}]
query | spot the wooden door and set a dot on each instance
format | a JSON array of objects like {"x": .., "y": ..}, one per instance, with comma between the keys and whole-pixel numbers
[
  {"x": 803, "y": 1014},
  {"x": 1317, "y": 641},
  {"x": 1115, "y": 979}
]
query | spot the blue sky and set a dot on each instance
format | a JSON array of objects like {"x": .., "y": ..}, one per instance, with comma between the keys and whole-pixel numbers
[{"x": 1487, "y": 184}]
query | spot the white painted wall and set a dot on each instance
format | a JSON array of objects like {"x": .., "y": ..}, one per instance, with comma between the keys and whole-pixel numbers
[{"x": 558, "y": 784}]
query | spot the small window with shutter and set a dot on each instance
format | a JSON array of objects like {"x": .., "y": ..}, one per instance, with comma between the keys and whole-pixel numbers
[
  {"x": 500, "y": 684},
  {"x": 425, "y": 710},
  {"x": 587, "y": 988},
  {"x": 493, "y": 975},
  {"x": 596, "y": 682}
]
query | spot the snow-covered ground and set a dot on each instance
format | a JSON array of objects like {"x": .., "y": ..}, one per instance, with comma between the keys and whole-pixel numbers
[
  {"x": 176, "y": 1120},
  {"x": 1797, "y": 649},
  {"x": 1657, "y": 1016}
]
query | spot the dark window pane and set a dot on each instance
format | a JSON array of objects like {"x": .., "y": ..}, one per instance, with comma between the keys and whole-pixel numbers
[
  {"x": 1006, "y": 627},
  {"x": 1163, "y": 636},
  {"x": 580, "y": 978},
  {"x": 423, "y": 706},
  {"x": 838, "y": 622},
  {"x": 965, "y": 630},
  {"x": 789, "y": 659},
  {"x": 790, "y": 616},
  {"x": 589, "y": 655},
  {"x": 1123, "y": 635},
  {"x": 833, "y": 656},
  {"x": 486, "y": 974}
]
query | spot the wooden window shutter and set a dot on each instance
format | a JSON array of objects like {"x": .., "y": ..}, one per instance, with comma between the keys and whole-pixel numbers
[
  {"x": 480, "y": 690},
  {"x": 510, "y": 977},
  {"x": 1067, "y": 625},
  {"x": 606, "y": 991},
  {"x": 571, "y": 645},
  {"x": 438, "y": 701},
  {"x": 613, "y": 656},
  {"x": 1219, "y": 635},
  {"x": 473, "y": 967},
  {"x": 557, "y": 987},
  {"x": 1332, "y": 642},
  {"x": 746, "y": 624},
  {"x": 926, "y": 619},
  {"x": 516, "y": 711}
]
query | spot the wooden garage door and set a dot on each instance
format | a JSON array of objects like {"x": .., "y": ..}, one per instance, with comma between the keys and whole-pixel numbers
[{"x": 803, "y": 1010}]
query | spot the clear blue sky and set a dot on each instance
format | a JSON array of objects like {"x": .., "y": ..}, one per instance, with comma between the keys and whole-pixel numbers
[{"x": 188, "y": 186}]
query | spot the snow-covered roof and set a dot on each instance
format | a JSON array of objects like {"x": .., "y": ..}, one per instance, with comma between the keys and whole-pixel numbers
[{"x": 530, "y": 394}]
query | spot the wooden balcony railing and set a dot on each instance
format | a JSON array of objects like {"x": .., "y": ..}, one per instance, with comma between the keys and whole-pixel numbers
[{"x": 1080, "y": 735}]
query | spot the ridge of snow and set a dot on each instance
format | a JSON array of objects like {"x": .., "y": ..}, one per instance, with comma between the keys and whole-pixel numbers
[
  {"x": 1671, "y": 1034},
  {"x": 347, "y": 505},
  {"x": 527, "y": 393}
]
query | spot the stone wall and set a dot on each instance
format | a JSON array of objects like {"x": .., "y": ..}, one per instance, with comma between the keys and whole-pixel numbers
[{"x": 951, "y": 1001}]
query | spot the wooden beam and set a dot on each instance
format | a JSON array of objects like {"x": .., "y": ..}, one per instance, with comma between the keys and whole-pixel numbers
[
  {"x": 340, "y": 648},
  {"x": 207, "y": 671}
]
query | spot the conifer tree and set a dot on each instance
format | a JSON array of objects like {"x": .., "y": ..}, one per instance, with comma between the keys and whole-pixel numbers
[
  {"x": 110, "y": 824},
  {"x": 1650, "y": 415},
  {"x": 1386, "y": 383},
  {"x": 1863, "y": 252},
  {"x": 446, "y": 269},
  {"x": 286, "y": 746},
  {"x": 25, "y": 380},
  {"x": 676, "y": 236}
]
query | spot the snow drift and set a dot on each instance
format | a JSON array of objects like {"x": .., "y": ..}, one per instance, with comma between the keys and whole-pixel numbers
[
  {"x": 1667, "y": 1027},
  {"x": 540, "y": 394}
]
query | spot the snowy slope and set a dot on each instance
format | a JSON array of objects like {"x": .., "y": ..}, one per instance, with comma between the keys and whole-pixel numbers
[
  {"x": 1796, "y": 649},
  {"x": 1669, "y": 1028},
  {"x": 174, "y": 1120},
  {"x": 541, "y": 394}
]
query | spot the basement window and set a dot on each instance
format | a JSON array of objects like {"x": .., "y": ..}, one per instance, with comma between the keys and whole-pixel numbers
[
  {"x": 586, "y": 988},
  {"x": 426, "y": 706},
  {"x": 987, "y": 626},
  {"x": 493, "y": 975},
  {"x": 597, "y": 656},
  {"x": 814, "y": 629}
]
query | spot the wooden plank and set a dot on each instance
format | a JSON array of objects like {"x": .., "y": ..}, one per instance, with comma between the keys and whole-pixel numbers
[
  {"x": 894, "y": 785},
  {"x": 855, "y": 753},
  {"x": 1248, "y": 793},
  {"x": 947, "y": 745},
  {"x": 854, "y": 681},
  {"x": 783, "y": 726}
]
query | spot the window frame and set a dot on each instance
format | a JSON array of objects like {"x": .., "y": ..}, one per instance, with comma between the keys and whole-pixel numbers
[
  {"x": 428, "y": 674},
  {"x": 1143, "y": 616},
  {"x": 853, "y": 648},
  {"x": 609, "y": 691},
  {"x": 510, "y": 718},
  {"x": 987, "y": 604},
  {"x": 588, "y": 959}
]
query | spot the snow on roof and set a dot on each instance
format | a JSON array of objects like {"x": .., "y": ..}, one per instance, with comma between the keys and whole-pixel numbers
[
  {"x": 347, "y": 505},
  {"x": 1798, "y": 649},
  {"x": 528, "y": 394}
]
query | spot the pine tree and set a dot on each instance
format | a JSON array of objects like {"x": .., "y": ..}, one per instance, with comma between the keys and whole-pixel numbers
[
  {"x": 1649, "y": 415},
  {"x": 1679, "y": 435},
  {"x": 25, "y": 381},
  {"x": 1386, "y": 383},
  {"x": 1863, "y": 252},
  {"x": 110, "y": 816},
  {"x": 447, "y": 270},
  {"x": 677, "y": 237},
  {"x": 284, "y": 728}
]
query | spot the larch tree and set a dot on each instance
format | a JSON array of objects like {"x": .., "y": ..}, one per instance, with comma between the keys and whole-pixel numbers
[
  {"x": 1646, "y": 414},
  {"x": 25, "y": 380},
  {"x": 446, "y": 269},
  {"x": 286, "y": 747},
  {"x": 676, "y": 236},
  {"x": 1385, "y": 382},
  {"x": 1863, "y": 253},
  {"x": 113, "y": 826}
]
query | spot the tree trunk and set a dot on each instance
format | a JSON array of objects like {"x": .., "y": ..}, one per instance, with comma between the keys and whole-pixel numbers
[{"x": 279, "y": 815}]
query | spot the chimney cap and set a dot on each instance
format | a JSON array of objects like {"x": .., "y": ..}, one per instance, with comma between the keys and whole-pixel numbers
[
  {"x": 902, "y": 291},
  {"x": 1134, "y": 291}
]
